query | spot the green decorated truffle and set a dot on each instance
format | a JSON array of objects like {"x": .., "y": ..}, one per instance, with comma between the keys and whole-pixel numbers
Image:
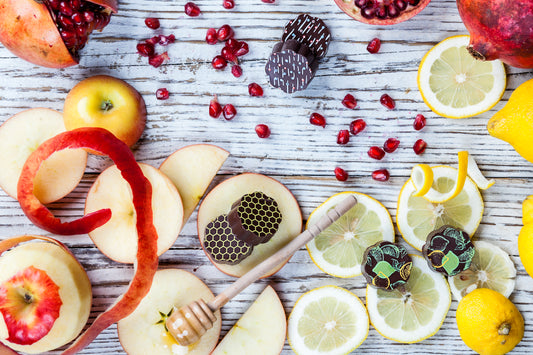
[
  {"x": 222, "y": 245},
  {"x": 386, "y": 265},
  {"x": 448, "y": 250}
]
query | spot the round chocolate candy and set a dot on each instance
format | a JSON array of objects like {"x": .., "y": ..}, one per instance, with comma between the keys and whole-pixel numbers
[
  {"x": 223, "y": 246},
  {"x": 254, "y": 218},
  {"x": 386, "y": 265},
  {"x": 309, "y": 30},
  {"x": 448, "y": 250}
]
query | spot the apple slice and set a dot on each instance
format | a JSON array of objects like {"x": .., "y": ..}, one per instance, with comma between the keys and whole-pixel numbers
[
  {"x": 20, "y": 135},
  {"x": 219, "y": 202},
  {"x": 45, "y": 297},
  {"x": 143, "y": 332},
  {"x": 118, "y": 237},
  {"x": 261, "y": 330},
  {"x": 191, "y": 169}
]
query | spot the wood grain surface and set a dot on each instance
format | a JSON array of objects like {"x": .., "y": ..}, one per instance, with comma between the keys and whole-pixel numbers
[{"x": 298, "y": 154}]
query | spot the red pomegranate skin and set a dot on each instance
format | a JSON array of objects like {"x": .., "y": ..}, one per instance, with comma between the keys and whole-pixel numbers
[
  {"x": 29, "y": 32},
  {"x": 500, "y": 29}
]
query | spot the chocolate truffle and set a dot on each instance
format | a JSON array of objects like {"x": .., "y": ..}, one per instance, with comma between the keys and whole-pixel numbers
[
  {"x": 386, "y": 265},
  {"x": 223, "y": 246}
]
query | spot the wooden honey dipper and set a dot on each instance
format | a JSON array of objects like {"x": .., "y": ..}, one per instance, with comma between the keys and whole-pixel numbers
[{"x": 188, "y": 323}]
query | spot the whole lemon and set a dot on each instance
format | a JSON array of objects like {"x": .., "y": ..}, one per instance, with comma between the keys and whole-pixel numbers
[
  {"x": 488, "y": 322},
  {"x": 525, "y": 238},
  {"x": 514, "y": 122}
]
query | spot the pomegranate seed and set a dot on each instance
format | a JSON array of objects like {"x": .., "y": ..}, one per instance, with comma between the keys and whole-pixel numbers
[
  {"x": 269, "y": 1},
  {"x": 65, "y": 22},
  {"x": 219, "y": 62},
  {"x": 77, "y": 18},
  {"x": 236, "y": 70},
  {"x": 88, "y": 16},
  {"x": 317, "y": 120},
  {"x": 391, "y": 145},
  {"x": 357, "y": 126},
  {"x": 387, "y": 101},
  {"x": 231, "y": 43},
  {"x": 381, "y": 175},
  {"x": 154, "y": 40},
  {"x": 262, "y": 131},
  {"x": 420, "y": 146},
  {"x": 255, "y": 89},
  {"x": 65, "y": 8},
  {"x": 376, "y": 152},
  {"x": 420, "y": 122},
  {"x": 341, "y": 174},
  {"x": 54, "y": 4},
  {"x": 225, "y": 32},
  {"x": 162, "y": 94},
  {"x": 75, "y": 4},
  {"x": 242, "y": 50},
  {"x": 166, "y": 40},
  {"x": 229, "y": 111},
  {"x": 343, "y": 137},
  {"x": 191, "y": 9},
  {"x": 228, "y": 4},
  {"x": 349, "y": 101},
  {"x": 227, "y": 54},
  {"x": 214, "y": 108},
  {"x": 152, "y": 22},
  {"x": 158, "y": 59},
  {"x": 211, "y": 36},
  {"x": 374, "y": 46},
  {"x": 145, "y": 49}
]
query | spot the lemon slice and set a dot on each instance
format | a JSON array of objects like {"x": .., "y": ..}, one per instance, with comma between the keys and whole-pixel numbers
[
  {"x": 327, "y": 320},
  {"x": 454, "y": 84},
  {"x": 491, "y": 268},
  {"x": 416, "y": 217},
  {"x": 339, "y": 249},
  {"x": 423, "y": 178},
  {"x": 415, "y": 313},
  {"x": 477, "y": 176}
]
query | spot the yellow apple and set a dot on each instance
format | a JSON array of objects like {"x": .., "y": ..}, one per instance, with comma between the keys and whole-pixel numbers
[
  {"x": 106, "y": 102},
  {"x": 20, "y": 135}
]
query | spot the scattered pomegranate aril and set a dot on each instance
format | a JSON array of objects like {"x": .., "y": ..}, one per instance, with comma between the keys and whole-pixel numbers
[
  {"x": 162, "y": 94},
  {"x": 228, "y": 4},
  {"x": 317, "y": 120},
  {"x": 343, "y": 137},
  {"x": 419, "y": 122},
  {"x": 242, "y": 49},
  {"x": 154, "y": 40},
  {"x": 419, "y": 147},
  {"x": 224, "y": 33},
  {"x": 211, "y": 36},
  {"x": 387, "y": 101},
  {"x": 341, "y": 174},
  {"x": 152, "y": 22},
  {"x": 349, "y": 101},
  {"x": 158, "y": 59},
  {"x": 376, "y": 152},
  {"x": 166, "y": 40},
  {"x": 255, "y": 89},
  {"x": 262, "y": 130},
  {"x": 145, "y": 49},
  {"x": 191, "y": 9},
  {"x": 231, "y": 43},
  {"x": 228, "y": 54},
  {"x": 381, "y": 175},
  {"x": 236, "y": 70},
  {"x": 373, "y": 46},
  {"x": 269, "y": 1},
  {"x": 219, "y": 62},
  {"x": 214, "y": 108},
  {"x": 229, "y": 111},
  {"x": 391, "y": 145},
  {"x": 357, "y": 126}
]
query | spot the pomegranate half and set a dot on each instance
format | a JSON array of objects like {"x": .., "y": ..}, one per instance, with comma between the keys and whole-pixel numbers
[
  {"x": 51, "y": 32},
  {"x": 382, "y": 12},
  {"x": 500, "y": 29}
]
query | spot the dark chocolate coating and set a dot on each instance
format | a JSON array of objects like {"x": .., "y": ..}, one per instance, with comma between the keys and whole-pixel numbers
[
  {"x": 448, "y": 250},
  {"x": 223, "y": 246},
  {"x": 386, "y": 265},
  {"x": 289, "y": 70},
  {"x": 311, "y": 31},
  {"x": 254, "y": 218}
]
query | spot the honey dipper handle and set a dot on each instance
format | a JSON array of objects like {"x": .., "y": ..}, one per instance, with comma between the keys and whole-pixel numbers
[{"x": 282, "y": 254}]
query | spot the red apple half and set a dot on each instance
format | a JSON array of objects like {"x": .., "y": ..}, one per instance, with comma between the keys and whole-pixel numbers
[
  {"x": 219, "y": 201},
  {"x": 118, "y": 237}
]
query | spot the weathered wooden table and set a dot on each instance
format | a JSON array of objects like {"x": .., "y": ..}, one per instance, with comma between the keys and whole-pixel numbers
[{"x": 298, "y": 154}]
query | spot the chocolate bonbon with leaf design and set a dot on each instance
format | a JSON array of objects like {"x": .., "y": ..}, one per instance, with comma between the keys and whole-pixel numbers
[{"x": 386, "y": 265}]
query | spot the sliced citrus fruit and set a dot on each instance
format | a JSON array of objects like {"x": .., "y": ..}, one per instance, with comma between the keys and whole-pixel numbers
[
  {"x": 327, "y": 320},
  {"x": 477, "y": 176},
  {"x": 416, "y": 217},
  {"x": 454, "y": 84},
  {"x": 491, "y": 268},
  {"x": 339, "y": 249},
  {"x": 414, "y": 312}
]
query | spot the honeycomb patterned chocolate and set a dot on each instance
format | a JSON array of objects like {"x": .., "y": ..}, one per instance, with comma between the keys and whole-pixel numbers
[{"x": 223, "y": 246}]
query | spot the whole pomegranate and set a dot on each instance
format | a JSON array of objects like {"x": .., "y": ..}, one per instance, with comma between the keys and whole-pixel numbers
[
  {"x": 382, "y": 12},
  {"x": 51, "y": 32},
  {"x": 500, "y": 29}
]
